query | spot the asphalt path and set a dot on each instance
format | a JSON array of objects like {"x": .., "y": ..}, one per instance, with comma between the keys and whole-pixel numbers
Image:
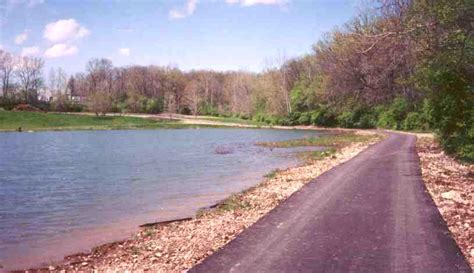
[{"x": 370, "y": 214}]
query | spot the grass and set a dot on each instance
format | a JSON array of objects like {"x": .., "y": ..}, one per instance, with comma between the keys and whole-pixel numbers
[
  {"x": 233, "y": 203},
  {"x": 233, "y": 120},
  {"x": 272, "y": 174},
  {"x": 333, "y": 140},
  {"x": 333, "y": 143},
  {"x": 311, "y": 156},
  {"x": 11, "y": 121}
]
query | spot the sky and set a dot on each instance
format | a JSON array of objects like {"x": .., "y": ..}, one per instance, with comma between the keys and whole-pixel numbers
[{"x": 190, "y": 34}]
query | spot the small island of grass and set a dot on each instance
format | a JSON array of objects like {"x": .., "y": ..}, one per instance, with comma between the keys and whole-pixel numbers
[{"x": 332, "y": 142}]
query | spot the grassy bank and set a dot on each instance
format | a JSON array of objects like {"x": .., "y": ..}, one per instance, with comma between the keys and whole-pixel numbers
[
  {"x": 233, "y": 120},
  {"x": 11, "y": 121}
]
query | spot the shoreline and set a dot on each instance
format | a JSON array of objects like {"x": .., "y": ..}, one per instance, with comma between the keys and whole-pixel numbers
[
  {"x": 159, "y": 246},
  {"x": 179, "y": 245}
]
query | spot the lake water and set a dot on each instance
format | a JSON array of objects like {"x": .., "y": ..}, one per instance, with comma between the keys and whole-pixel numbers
[{"x": 64, "y": 192}]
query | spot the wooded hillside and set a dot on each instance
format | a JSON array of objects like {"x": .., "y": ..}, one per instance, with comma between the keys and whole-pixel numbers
[{"x": 402, "y": 64}]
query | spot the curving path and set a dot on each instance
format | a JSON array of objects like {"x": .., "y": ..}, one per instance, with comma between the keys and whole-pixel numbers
[{"x": 370, "y": 214}]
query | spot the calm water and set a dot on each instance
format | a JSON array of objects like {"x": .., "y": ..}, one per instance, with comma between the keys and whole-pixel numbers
[{"x": 64, "y": 192}]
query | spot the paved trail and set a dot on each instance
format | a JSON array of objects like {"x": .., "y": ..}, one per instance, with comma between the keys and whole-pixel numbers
[{"x": 371, "y": 214}]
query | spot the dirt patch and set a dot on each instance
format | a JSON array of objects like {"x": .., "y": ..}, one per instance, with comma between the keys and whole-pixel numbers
[
  {"x": 27, "y": 108},
  {"x": 451, "y": 184}
]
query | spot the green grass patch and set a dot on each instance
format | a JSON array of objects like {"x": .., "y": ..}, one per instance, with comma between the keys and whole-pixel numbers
[
  {"x": 333, "y": 140},
  {"x": 11, "y": 121},
  {"x": 311, "y": 156},
  {"x": 233, "y": 120},
  {"x": 272, "y": 174},
  {"x": 233, "y": 203}
]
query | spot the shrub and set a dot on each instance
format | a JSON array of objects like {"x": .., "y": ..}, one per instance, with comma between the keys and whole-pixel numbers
[
  {"x": 284, "y": 121},
  {"x": 358, "y": 117},
  {"x": 414, "y": 121},
  {"x": 393, "y": 116},
  {"x": 399, "y": 109},
  {"x": 305, "y": 118},
  {"x": 323, "y": 116},
  {"x": 154, "y": 106},
  {"x": 366, "y": 121},
  {"x": 387, "y": 120},
  {"x": 208, "y": 109},
  {"x": 346, "y": 119},
  {"x": 259, "y": 117},
  {"x": 294, "y": 117}
]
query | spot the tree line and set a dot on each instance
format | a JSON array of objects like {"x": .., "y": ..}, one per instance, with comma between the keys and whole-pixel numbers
[{"x": 402, "y": 64}]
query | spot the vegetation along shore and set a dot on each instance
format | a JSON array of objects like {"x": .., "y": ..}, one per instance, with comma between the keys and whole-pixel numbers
[{"x": 39, "y": 121}]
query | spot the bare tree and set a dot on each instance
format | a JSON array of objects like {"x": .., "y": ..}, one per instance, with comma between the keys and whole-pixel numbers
[
  {"x": 100, "y": 74},
  {"x": 7, "y": 64},
  {"x": 58, "y": 81},
  {"x": 193, "y": 96},
  {"x": 29, "y": 73}
]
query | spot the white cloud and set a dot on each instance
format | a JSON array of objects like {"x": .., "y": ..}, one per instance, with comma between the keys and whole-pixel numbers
[
  {"x": 182, "y": 12},
  {"x": 60, "y": 50},
  {"x": 124, "y": 52},
  {"x": 30, "y": 51},
  {"x": 21, "y": 38},
  {"x": 248, "y": 3},
  {"x": 64, "y": 30}
]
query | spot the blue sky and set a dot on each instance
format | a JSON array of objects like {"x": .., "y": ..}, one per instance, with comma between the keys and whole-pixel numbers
[{"x": 190, "y": 34}]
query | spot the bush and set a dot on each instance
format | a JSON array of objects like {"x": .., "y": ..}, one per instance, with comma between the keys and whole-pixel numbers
[
  {"x": 323, "y": 117},
  {"x": 393, "y": 116},
  {"x": 154, "y": 106},
  {"x": 284, "y": 121},
  {"x": 359, "y": 117},
  {"x": 414, "y": 121},
  {"x": 346, "y": 119},
  {"x": 294, "y": 117},
  {"x": 305, "y": 118},
  {"x": 120, "y": 107},
  {"x": 66, "y": 106},
  {"x": 259, "y": 117},
  {"x": 387, "y": 120},
  {"x": 399, "y": 109},
  {"x": 208, "y": 110},
  {"x": 366, "y": 121}
]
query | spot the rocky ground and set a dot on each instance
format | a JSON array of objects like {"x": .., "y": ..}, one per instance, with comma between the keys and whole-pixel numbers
[
  {"x": 451, "y": 184},
  {"x": 177, "y": 246}
]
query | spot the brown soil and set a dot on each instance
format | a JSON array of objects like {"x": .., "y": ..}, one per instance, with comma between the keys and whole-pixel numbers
[{"x": 26, "y": 107}]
